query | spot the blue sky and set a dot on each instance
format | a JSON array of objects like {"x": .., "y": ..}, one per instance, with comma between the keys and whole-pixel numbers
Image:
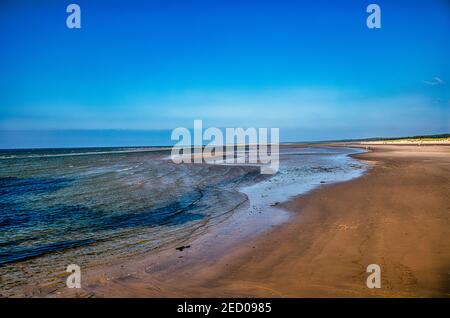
[{"x": 311, "y": 68}]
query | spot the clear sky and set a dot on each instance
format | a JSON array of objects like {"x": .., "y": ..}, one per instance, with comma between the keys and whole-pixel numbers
[{"x": 311, "y": 68}]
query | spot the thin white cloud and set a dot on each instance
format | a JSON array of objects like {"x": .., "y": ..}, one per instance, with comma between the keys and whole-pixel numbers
[
  {"x": 439, "y": 80},
  {"x": 436, "y": 81},
  {"x": 307, "y": 108}
]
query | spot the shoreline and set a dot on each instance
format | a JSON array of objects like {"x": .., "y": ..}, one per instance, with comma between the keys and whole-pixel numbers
[
  {"x": 382, "y": 217},
  {"x": 260, "y": 215},
  {"x": 334, "y": 232}
]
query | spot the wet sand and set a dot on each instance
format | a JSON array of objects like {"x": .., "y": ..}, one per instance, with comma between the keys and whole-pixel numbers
[{"x": 397, "y": 215}]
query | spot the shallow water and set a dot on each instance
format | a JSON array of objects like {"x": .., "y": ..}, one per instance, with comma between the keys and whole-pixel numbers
[{"x": 92, "y": 206}]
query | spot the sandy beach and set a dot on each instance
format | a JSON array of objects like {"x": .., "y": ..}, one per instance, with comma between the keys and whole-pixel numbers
[
  {"x": 209, "y": 152},
  {"x": 396, "y": 215}
]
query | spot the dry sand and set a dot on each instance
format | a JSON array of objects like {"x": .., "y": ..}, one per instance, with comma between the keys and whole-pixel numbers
[{"x": 397, "y": 215}]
